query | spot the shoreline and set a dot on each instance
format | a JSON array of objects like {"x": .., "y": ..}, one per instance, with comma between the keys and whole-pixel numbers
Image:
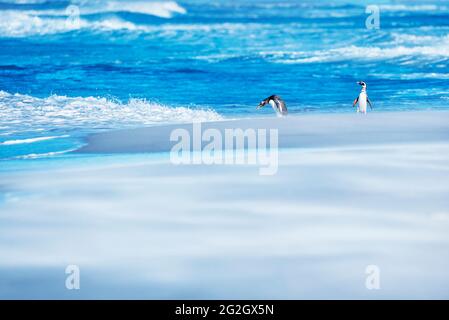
[{"x": 296, "y": 131}]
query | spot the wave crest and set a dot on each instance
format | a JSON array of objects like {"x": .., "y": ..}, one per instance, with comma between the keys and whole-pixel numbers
[
  {"x": 164, "y": 9},
  {"x": 30, "y": 22},
  {"x": 361, "y": 53},
  {"x": 92, "y": 112},
  {"x": 30, "y": 140}
]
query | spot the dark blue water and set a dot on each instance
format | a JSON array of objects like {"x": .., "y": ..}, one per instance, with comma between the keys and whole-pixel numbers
[{"x": 129, "y": 63}]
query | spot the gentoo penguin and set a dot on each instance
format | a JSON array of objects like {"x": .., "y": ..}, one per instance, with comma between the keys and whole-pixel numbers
[
  {"x": 362, "y": 99},
  {"x": 277, "y": 103}
]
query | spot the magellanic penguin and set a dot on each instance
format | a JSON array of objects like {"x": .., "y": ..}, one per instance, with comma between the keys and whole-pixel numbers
[
  {"x": 277, "y": 103},
  {"x": 362, "y": 99}
]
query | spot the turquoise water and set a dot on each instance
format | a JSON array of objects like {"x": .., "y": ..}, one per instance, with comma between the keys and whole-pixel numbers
[{"x": 134, "y": 63}]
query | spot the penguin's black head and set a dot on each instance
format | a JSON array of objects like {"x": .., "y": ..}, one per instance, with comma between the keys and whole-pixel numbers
[
  {"x": 363, "y": 84},
  {"x": 267, "y": 100},
  {"x": 264, "y": 102}
]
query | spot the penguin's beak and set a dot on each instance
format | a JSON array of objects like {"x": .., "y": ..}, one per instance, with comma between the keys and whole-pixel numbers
[
  {"x": 359, "y": 83},
  {"x": 260, "y": 105}
]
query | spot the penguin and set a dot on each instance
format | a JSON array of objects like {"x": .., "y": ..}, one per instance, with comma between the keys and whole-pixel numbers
[
  {"x": 276, "y": 103},
  {"x": 362, "y": 99}
]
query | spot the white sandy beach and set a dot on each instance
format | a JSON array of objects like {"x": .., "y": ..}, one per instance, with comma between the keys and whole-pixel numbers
[{"x": 350, "y": 191}]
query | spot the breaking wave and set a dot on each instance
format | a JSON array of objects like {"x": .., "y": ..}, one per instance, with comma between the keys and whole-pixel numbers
[
  {"x": 440, "y": 50},
  {"x": 30, "y": 140},
  {"x": 412, "y": 8},
  {"x": 19, "y": 24},
  {"x": 23, "y": 23},
  {"x": 162, "y": 9},
  {"x": 91, "y": 112}
]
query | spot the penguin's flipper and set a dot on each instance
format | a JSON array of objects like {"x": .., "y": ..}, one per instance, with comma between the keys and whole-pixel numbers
[
  {"x": 355, "y": 102},
  {"x": 282, "y": 107},
  {"x": 369, "y": 102}
]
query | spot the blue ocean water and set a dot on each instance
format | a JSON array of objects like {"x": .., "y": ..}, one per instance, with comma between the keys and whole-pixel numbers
[{"x": 70, "y": 68}]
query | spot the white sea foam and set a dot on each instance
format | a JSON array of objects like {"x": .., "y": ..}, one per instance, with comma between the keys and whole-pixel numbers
[
  {"x": 360, "y": 53},
  {"x": 42, "y": 155},
  {"x": 25, "y": 1},
  {"x": 16, "y": 23},
  {"x": 62, "y": 111},
  {"x": 162, "y": 9},
  {"x": 404, "y": 38},
  {"x": 412, "y": 76},
  {"x": 22, "y": 23},
  {"x": 396, "y": 46},
  {"x": 19, "y": 24},
  {"x": 31, "y": 140},
  {"x": 417, "y": 7}
]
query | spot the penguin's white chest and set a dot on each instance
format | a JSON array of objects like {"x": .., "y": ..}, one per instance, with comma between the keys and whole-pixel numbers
[
  {"x": 273, "y": 105},
  {"x": 362, "y": 101},
  {"x": 275, "y": 108}
]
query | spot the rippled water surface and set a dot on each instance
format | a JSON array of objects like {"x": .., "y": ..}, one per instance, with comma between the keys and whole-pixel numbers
[{"x": 143, "y": 62}]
